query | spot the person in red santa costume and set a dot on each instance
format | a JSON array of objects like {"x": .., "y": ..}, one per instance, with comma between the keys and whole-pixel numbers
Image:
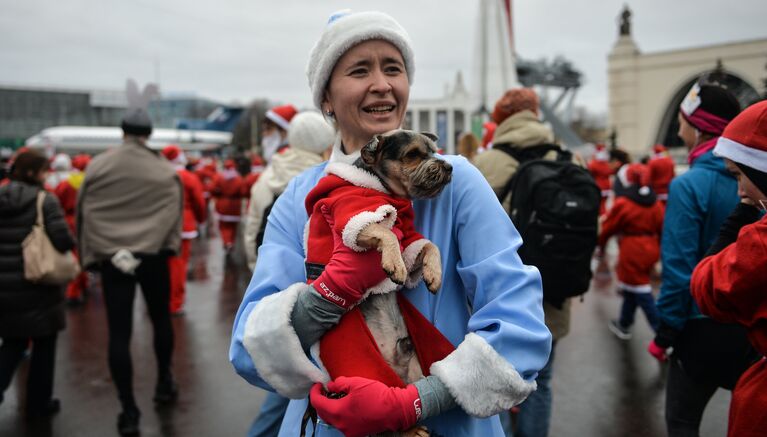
[
  {"x": 600, "y": 169},
  {"x": 227, "y": 191},
  {"x": 729, "y": 283},
  {"x": 195, "y": 213},
  {"x": 275, "y": 127},
  {"x": 661, "y": 171},
  {"x": 67, "y": 191},
  {"x": 637, "y": 218}
]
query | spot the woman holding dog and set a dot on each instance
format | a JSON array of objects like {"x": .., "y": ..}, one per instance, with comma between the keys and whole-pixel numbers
[{"x": 489, "y": 305}]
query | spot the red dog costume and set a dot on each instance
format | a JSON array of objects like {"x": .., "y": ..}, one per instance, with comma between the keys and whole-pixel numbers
[{"x": 344, "y": 202}]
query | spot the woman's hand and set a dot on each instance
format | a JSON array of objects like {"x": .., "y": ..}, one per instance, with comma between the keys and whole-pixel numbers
[{"x": 360, "y": 406}]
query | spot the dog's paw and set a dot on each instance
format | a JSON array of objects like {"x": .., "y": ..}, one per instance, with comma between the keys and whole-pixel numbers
[
  {"x": 432, "y": 278},
  {"x": 394, "y": 266}
]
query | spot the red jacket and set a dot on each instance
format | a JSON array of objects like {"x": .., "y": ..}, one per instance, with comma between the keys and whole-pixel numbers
[
  {"x": 601, "y": 171},
  {"x": 227, "y": 190},
  {"x": 661, "y": 172},
  {"x": 66, "y": 192},
  {"x": 731, "y": 287},
  {"x": 639, "y": 229},
  {"x": 195, "y": 210}
]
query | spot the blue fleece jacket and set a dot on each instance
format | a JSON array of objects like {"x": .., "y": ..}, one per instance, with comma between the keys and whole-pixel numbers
[{"x": 698, "y": 203}]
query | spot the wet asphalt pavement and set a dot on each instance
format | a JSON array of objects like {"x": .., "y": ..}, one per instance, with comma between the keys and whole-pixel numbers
[{"x": 602, "y": 386}]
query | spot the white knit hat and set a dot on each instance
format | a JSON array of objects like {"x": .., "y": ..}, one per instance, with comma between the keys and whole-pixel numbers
[
  {"x": 309, "y": 131},
  {"x": 345, "y": 30},
  {"x": 61, "y": 162}
]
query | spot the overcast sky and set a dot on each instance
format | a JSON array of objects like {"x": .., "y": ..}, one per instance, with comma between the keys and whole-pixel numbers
[{"x": 236, "y": 50}]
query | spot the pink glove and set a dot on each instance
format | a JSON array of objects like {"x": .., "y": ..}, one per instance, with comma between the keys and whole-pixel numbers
[
  {"x": 368, "y": 406},
  {"x": 348, "y": 274},
  {"x": 658, "y": 352}
]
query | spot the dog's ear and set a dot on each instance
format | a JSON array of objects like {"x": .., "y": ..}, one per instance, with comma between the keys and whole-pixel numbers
[
  {"x": 370, "y": 152},
  {"x": 433, "y": 143}
]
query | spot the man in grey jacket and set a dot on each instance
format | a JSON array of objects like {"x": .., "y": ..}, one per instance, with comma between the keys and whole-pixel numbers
[{"x": 129, "y": 222}]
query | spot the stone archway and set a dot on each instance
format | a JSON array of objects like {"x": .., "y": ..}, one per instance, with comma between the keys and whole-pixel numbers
[{"x": 669, "y": 125}]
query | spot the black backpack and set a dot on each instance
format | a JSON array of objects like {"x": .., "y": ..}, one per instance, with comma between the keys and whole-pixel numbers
[{"x": 555, "y": 208}]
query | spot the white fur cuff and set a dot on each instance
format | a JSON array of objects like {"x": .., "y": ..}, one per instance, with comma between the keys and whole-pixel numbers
[
  {"x": 274, "y": 347},
  {"x": 385, "y": 215},
  {"x": 481, "y": 381}
]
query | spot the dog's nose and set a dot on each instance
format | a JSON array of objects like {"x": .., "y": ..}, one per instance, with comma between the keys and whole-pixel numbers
[{"x": 447, "y": 166}]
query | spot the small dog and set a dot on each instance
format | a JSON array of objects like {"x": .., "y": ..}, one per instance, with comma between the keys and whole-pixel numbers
[{"x": 405, "y": 164}]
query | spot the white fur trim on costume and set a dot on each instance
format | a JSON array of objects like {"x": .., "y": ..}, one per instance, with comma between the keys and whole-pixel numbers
[
  {"x": 278, "y": 120},
  {"x": 383, "y": 287},
  {"x": 642, "y": 288},
  {"x": 385, "y": 215},
  {"x": 482, "y": 382},
  {"x": 338, "y": 155},
  {"x": 409, "y": 255},
  {"x": 228, "y": 218},
  {"x": 356, "y": 176},
  {"x": 740, "y": 153},
  {"x": 189, "y": 235},
  {"x": 274, "y": 347}
]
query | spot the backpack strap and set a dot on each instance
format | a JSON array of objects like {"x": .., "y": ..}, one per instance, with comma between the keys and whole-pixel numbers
[
  {"x": 40, "y": 199},
  {"x": 522, "y": 155}
]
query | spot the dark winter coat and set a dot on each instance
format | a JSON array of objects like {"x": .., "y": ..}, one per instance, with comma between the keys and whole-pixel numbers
[{"x": 28, "y": 309}]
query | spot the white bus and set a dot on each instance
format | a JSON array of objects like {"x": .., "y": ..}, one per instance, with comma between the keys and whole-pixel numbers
[{"x": 92, "y": 140}]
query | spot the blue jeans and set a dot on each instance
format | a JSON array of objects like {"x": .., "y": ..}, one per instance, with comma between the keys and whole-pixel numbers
[
  {"x": 535, "y": 412},
  {"x": 645, "y": 301},
  {"x": 269, "y": 419}
]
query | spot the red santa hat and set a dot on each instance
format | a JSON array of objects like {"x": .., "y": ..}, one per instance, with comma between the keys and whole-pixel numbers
[
  {"x": 635, "y": 174},
  {"x": 81, "y": 161},
  {"x": 257, "y": 164},
  {"x": 174, "y": 154},
  {"x": 229, "y": 164},
  {"x": 659, "y": 148},
  {"x": 281, "y": 115},
  {"x": 745, "y": 138}
]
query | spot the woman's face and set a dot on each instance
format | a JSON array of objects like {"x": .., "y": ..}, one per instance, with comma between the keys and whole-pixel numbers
[
  {"x": 746, "y": 188},
  {"x": 687, "y": 133},
  {"x": 368, "y": 92}
]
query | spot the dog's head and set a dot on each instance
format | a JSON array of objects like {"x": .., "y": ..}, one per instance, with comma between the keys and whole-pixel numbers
[{"x": 406, "y": 164}]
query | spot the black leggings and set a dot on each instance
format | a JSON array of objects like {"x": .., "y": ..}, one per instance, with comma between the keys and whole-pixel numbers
[
  {"x": 119, "y": 292},
  {"x": 41, "y": 367}
]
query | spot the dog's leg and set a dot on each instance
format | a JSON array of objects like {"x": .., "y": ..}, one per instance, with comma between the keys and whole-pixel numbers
[
  {"x": 431, "y": 261},
  {"x": 381, "y": 238}
]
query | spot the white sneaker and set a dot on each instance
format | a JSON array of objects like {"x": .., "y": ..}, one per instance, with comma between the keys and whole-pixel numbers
[{"x": 619, "y": 331}]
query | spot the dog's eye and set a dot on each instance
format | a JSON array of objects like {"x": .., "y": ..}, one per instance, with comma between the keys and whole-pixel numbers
[{"x": 413, "y": 154}]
